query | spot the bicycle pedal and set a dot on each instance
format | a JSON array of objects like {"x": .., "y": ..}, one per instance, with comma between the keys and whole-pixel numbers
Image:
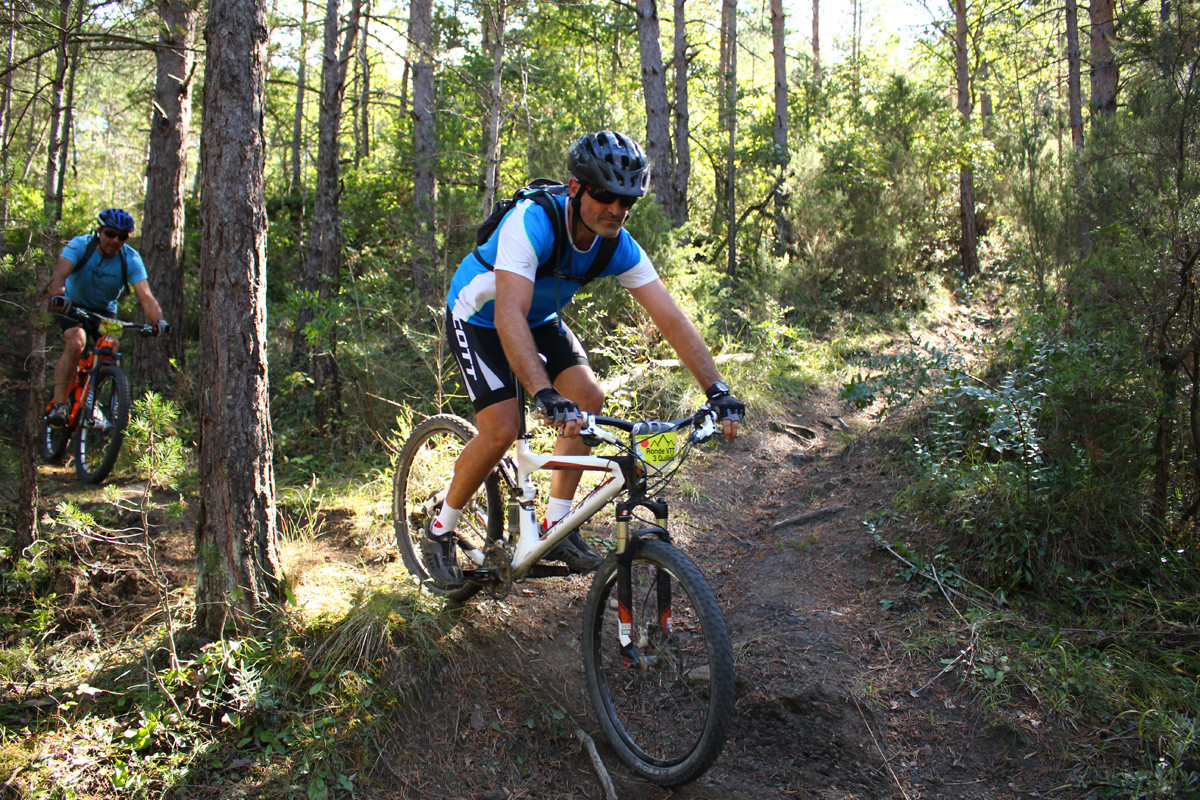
[
  {"x": 550, "y": 571},
  {"x": 486, "y": 575}
]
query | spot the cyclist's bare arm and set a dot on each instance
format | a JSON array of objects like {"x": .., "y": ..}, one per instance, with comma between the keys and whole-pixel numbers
[
  {"x": 514, "y": 295},
  {"x": 682, "y": 335},
  {"x": 58, "y": 276},
  {"x": 149, "y": 304}
]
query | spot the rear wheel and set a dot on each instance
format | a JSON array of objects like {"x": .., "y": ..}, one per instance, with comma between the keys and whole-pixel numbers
[
  {"x": 665, "y": 701},
  {"x": 100, "y": 429},
  {"x": 423, "y": 473},
  {"x": 54, "y": 438}
]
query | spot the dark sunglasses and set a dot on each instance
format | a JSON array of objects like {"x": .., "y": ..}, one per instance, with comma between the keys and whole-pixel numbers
[
  {"x": 111, "y": 234},
  {"x": 608, "y": 198}
]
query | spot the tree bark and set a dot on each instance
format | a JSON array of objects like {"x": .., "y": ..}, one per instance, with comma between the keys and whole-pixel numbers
[
  {"x": 1104, "y": 63},
  {"x": 6, "y": 91},
  {"x": 968, "y": 247},
  {"x": 682, "y": 130},
  {"x": 816, "y": 41},
  {"x": 166, "y": 185},
  {"x": 323, "y": 264},
  {"x": 654, "y": 92},
  {"x": 238, "y": 581},
  {"x": 783, "y": 227},
  {"x": 494, "y": 21},
  {"x": 35, "y": 363},
  {"x": 1075, "y": 115},
  {"x": 297, "y": 187},
  {"x": 728, "y": 85},
  {"x": 363, "y": 146},
  {"x": 424, "y": 106}
]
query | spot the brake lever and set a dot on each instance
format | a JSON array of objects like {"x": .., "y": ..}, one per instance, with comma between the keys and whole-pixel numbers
[{"x": 705, "y": 422}]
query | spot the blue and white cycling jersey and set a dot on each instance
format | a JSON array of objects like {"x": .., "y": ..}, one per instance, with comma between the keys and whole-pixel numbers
[
  {"x": 524, "y": 238},
  {"x": 97, "y": 284}
]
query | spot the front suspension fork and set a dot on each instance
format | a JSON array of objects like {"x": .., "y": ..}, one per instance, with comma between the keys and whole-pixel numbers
[{"x": 627, "y": 547}]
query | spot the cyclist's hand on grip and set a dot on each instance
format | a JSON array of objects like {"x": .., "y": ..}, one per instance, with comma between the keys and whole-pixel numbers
[
  {"x": 558, "y": 410},
  {"x": 729, "y": 409},
  {"x": 60, "y": 302},
  {"x": 162, "y": 328}
]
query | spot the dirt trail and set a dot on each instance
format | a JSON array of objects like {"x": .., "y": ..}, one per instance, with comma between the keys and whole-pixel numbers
[{"x": 833, "y": 702}]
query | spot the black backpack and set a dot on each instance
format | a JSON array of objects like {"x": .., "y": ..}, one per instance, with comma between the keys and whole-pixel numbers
[
  {"x": 543, "y": 191},
  {"x": 91, "y": 248}
]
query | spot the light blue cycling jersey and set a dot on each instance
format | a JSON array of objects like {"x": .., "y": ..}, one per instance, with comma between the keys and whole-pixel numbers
[
  {"x": 524, "y": 238},
  {"x": 98, "y": 284}
]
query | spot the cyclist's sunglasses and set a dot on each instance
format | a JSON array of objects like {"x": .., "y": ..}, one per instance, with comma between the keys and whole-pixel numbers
[
  {"x": 114, "y": 234},
  {"x": 607, "y": 198}
]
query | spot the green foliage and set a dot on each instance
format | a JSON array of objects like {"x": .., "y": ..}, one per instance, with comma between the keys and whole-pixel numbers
[{"x": 1034, "y": 465}]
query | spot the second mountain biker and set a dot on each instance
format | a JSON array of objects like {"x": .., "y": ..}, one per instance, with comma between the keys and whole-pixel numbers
[{"x": 93, "y": 271}]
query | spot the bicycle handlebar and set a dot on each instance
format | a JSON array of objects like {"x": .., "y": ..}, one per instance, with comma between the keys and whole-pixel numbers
[
  {"x": 85, "y": 316},
  {"x": 703, "y": 421}
]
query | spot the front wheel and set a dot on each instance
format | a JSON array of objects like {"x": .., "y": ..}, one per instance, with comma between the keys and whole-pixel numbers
[
  {"x": 100, "y": 429},
  {"x": 665, "y": 698},
  {"x": 423, "y": 473}
]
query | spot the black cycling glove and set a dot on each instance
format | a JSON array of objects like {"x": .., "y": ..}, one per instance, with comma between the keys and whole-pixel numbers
[
  {"x": 60, "y": 302},
  {"x": 554, "y": 407},
  {"x": 162, "y": 328},
  {"x": 722, "y": 401}
]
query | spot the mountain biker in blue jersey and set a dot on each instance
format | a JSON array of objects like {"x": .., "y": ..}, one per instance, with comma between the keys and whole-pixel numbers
[
  {"x": 503, "y": 325},
  {"x": 92, "y": 272}
]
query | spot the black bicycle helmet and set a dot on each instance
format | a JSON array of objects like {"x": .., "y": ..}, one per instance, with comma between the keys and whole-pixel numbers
[
  {"x": 611, "y": 161},
  {"x": 116, "y": 218}
]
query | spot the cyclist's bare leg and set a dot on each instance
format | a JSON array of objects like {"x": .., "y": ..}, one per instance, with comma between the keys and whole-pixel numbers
[
  {"x": 576, "y": 383},
  {"x": 498, "y": 426},
  {"x": 74, "y": 340}
]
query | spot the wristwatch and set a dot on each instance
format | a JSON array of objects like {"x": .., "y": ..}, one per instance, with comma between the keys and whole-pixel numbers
[{"x": 718, "y": 389}]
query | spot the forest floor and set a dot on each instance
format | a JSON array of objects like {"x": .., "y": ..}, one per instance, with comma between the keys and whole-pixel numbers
[{"x": 853, "y": 682}]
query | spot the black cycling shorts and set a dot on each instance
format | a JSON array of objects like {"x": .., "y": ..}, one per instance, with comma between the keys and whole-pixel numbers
[{"x": 484, "y": 367}]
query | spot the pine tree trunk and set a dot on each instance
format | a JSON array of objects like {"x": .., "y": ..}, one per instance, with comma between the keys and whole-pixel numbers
[
  {"x": 1075, "y": 114},
  {"x": 728, "y": 83},
  {"x": 654, "y": 92},
  {"x": 495, "y": 19},
  {"x": 297, "y": 183},
  {"x": 323, "y": 265},
  {"x": 166, "y": 184},
  {"x": 682, "y": 130},
  {"x": 968, "y": 247},
  {"x": 1105, "y": 73},
  {"x": 424, "y": 151},
  {"x": 816, "y": 41},
  {"x": 35, "y": 363},
  {"x": 238, "y": 580},
  {"x": 783, "y": 226}
]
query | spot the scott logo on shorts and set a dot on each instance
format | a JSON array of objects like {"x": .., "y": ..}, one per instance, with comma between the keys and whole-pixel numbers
[{"x": 468, "y": 363}]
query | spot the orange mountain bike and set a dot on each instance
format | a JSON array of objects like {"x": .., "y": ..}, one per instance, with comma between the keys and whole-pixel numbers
[{"x": 99, "y": 400}]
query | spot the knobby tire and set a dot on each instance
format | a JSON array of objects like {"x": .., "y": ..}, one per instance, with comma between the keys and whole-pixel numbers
[
  {"x": 669, "y": 722},
  {"x": 100, "y": 429},
  {"x": 54, "y": 439},
  {"x": 423, "y": 473}
]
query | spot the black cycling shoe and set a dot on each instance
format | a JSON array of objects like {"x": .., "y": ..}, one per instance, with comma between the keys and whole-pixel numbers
[
  {"x": 57, "y": 415},
  {"x": 440, "y": 562},
  {"x": 575, "y": 553}
]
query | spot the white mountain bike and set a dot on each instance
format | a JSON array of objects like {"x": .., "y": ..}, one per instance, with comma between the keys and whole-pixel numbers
[{"x": 656, "y": 652}]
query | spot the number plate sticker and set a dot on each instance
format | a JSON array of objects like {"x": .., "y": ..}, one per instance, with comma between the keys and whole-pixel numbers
[
  {"x": 112, "y": 329},
  {"x": 657, "y": 449}
]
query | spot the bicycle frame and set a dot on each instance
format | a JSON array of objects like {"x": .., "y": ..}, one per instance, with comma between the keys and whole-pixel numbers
[
  {"x": 532, "y": 543},
  {"x": 104, "y": 350}
]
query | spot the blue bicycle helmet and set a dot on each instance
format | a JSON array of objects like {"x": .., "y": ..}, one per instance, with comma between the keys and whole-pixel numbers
[
  {"x": 611, "y": 161},
  {"x": 116, "y": 218}
]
